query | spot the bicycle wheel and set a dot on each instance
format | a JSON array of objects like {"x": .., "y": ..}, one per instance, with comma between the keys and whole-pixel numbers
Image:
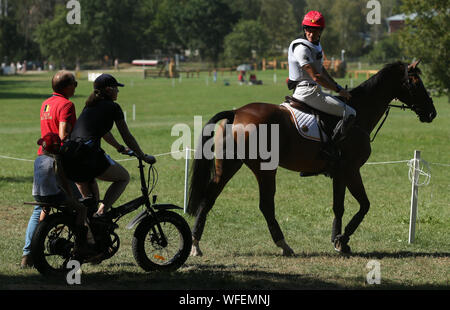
[
  {"x": 52, "y": 244},
  {"x": 152, "y": 253}
]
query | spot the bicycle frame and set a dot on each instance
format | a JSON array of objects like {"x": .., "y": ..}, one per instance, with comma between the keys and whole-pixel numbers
[{"x": 117, "y": 213}]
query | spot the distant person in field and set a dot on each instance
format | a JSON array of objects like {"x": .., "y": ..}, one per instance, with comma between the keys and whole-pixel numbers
[
  {"x": 254, "y": 80},
  {"x": 84, "y": 160},
  {"x": 241, "y": 77},
  {"x": 307, "y": 74},
  {"x": 57, "y": 116}
]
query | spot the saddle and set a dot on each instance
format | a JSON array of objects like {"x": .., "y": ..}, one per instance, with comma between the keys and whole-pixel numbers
[{"x": 326, "y": 122}]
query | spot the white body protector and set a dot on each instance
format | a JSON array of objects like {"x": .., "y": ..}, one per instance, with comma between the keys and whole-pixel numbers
[{"x": 302, "y": 52}]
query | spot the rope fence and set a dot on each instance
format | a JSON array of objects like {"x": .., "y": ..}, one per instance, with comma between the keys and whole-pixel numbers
[
  {"x": 419, "y": 175},
  {"x": 169, "y": 153}
]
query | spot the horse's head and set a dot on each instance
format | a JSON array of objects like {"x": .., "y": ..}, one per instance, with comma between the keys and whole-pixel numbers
[{"x": 414, "y": 94}]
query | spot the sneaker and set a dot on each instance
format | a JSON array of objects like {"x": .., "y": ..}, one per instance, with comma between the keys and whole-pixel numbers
[{"x": 26, "y": 262}]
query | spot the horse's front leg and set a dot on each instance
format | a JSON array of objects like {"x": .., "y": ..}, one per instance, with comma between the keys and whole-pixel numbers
[
  {"x": 338, "y": 205},
  {"x": 356, "y": 188}
]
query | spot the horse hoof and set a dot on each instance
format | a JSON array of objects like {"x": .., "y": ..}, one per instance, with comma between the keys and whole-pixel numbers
[
  {"x": 195, "y": 251},
  {"x": 344, "y": 249},
  {"x": 340, "y": 244},
  {"x": 288, "y": 253}
]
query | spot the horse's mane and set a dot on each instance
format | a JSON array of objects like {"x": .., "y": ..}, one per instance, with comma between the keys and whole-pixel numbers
[
  {"x": 395, "y": 70},
  {"x": 380, "y": 83}
]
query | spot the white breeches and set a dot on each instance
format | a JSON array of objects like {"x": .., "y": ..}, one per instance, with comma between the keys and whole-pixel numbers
[{"x": 314, "y": 97}]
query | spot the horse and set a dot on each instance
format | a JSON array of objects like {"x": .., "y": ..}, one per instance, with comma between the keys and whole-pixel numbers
[{"x": 370, "y": 99}]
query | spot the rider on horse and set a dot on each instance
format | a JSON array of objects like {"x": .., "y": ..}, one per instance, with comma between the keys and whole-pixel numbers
[{"x": 307, "y": 75}]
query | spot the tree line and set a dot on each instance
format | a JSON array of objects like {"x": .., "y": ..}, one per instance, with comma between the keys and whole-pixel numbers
[
  {"x": 217, "y": 29},
  {"x": 221, "y": 31}
]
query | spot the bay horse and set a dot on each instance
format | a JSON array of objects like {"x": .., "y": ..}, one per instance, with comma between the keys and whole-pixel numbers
[{"x": 370, "y": 100}]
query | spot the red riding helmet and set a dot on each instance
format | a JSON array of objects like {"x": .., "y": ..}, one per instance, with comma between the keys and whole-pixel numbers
[{"x": 314, "y": 19}]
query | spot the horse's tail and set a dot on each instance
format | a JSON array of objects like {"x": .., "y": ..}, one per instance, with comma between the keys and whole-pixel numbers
[{"x": 203, "y": 169}]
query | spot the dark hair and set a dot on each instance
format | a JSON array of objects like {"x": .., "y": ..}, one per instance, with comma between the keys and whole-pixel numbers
[{"x": 96, "y": 96}]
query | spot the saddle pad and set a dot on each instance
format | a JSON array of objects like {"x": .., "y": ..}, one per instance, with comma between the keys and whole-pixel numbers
[{"x": 306, "y": 124}]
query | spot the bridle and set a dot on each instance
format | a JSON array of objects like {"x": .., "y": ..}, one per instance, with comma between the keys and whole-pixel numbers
[
  {"x": 406, "y": 84},
  {"x": 386, "y": 114}
]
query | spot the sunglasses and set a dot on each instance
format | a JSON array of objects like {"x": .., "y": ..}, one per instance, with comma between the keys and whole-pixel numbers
[{"x": 310, "y": 29}]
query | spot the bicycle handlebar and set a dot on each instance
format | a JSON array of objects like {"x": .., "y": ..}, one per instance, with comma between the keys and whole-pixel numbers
[{"x": 149, "y": 159}]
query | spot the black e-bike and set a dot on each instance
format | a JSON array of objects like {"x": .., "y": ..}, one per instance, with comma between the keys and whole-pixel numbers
[{"x": 161, "y": 242}]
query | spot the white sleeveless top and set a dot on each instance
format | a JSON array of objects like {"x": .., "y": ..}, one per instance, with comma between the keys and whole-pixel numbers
[{"x": 302, "y": 52}]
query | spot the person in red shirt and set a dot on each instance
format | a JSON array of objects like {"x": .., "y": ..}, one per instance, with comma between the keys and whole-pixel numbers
[
  {"x": 57, "y": 116},
  {"x": 58, "y": 112}
]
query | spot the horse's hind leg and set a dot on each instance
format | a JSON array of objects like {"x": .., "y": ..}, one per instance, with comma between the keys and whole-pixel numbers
[
  {"x": 267, "y": 188},
  {"x": 225, "y": 170}
]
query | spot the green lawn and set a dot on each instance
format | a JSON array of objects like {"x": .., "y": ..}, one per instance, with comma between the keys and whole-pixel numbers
[{"x": 239, "y": 252}]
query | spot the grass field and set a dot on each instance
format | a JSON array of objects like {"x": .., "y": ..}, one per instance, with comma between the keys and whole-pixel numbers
[{"x": 239, "y": 253}]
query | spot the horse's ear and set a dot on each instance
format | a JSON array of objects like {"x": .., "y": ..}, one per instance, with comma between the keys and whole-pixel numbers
[{"x": 414, "y": 64}]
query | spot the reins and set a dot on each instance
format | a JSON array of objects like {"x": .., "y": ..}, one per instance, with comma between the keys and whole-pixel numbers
[{"x": 403, "y": 107}]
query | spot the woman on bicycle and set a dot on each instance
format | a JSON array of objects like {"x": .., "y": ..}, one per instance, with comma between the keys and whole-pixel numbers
[{"x": 83, "y": 158}]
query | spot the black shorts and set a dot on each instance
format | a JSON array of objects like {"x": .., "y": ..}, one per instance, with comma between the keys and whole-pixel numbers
[{"x": 83, "y": 163}]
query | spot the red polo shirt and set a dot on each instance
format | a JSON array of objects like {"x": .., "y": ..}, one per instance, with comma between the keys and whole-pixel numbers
[{"x": 54, "y": 110}]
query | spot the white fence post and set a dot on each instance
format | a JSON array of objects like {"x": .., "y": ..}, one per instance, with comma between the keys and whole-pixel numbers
[{"x": 414, "y": 196}]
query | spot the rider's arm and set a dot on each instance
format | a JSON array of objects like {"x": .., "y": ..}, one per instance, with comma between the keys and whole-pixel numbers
[
  {"x": 325, "y": 80},
  {"x": 328, "y": 76},
  {"x": 319, "y": 77},
  {"x": 109, "y": 138},
  {"x": 128, "y": 138}
]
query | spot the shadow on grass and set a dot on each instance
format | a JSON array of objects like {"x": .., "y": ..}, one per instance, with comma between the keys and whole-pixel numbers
[
  {"x": 24, "y": 95},
  {"x": 198, "y": 277},
  {"x": 401, "y": 254},
  {"x": 28, "y": 95},
  {"x": 378, "y": 255},
  {"x": 18, "y": 179}
]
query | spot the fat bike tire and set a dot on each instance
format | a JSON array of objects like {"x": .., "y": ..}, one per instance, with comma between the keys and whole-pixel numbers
[
  {"x": 52, "y": 244},
  {"x": 152, "y": 254}
]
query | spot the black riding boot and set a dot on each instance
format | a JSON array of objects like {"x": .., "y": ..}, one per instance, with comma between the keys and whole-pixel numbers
[{"x": 342, "y": 128}]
